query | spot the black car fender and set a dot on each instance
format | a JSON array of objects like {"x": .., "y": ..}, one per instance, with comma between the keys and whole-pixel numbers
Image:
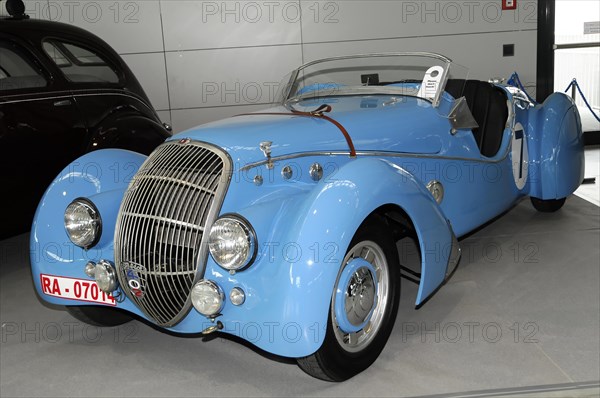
[{"x": 127, "y": 130}]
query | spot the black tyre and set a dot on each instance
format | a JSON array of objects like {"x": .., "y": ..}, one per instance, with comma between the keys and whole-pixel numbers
[
  {"x": 360, "y": 325},
  {"x": 99, "y": 316},
  {"x": 547, "y": 206}
]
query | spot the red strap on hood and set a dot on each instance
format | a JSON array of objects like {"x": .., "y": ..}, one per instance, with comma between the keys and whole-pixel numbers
[{"x": 317, "y": 113}]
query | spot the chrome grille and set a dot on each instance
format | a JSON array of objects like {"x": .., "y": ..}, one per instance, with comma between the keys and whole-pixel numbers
[{"x": 160, "y": 245}]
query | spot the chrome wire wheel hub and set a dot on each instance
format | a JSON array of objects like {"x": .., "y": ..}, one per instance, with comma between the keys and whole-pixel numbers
[
  {"x": 360, "y": 299},
  {"x": 360, "y": 295}
]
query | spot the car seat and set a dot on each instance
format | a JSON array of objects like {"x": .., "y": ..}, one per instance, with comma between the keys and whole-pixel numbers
[{"x": 487, "y": 103}]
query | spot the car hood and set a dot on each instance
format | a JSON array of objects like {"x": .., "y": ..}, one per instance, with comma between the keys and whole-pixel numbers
[{"x": 377, "y": 123}]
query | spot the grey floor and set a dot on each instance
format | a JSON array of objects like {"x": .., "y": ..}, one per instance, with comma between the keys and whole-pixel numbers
[{"x": 520, "y": 317}]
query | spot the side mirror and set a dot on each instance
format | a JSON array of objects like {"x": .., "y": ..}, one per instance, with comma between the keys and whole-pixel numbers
[{"x": 460, "y": 116}]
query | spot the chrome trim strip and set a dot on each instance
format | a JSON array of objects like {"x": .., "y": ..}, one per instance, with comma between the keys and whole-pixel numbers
[
  {"x": 250, "y": 166},
  {"x": 70, "y": 94},
  {"x": 57, "y": 95}
]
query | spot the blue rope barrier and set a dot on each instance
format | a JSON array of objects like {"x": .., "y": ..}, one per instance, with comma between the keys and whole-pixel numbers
[
  {"x": 515, "y": 81},
  {"x": 574, "y": 82}
]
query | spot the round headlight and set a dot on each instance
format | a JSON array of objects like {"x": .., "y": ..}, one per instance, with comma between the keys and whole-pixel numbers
[
  {"x": 83, "y": 223},
  {"x": 207, "y": 298},
  {"x": 106, "y": 277},
  {"x": 232, "y": 242}
]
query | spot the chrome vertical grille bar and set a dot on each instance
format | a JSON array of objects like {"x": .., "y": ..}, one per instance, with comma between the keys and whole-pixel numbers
[{"x": 160, "y": 241}]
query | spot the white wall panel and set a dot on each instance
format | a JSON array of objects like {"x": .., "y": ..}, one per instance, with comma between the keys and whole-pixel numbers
[
  {"x": 165, "y": 116},
  {"x": 224, "y": 57},
  {"x": 359, "y": 20},
  {"x": 184, "y": 119},
  {"x": 128, "y": 26},
  {"x": 192, "y": 25},
  {"x": 209, "y": 78},
  {"x": 150, "y": 71}
]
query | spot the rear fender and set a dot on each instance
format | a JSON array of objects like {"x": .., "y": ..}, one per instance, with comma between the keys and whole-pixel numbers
[{"x": 557, "y": 142}]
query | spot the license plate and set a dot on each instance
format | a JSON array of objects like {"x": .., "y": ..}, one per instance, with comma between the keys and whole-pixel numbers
[{"x": 75, "y": 289}]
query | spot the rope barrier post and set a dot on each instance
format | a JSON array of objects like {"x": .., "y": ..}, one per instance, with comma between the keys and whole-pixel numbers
[
  {"x": 574, "y": 89},
  {"x": 516, "y": 82}
]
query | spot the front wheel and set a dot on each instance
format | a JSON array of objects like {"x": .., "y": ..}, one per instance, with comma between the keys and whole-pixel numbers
[
  {"x": 363, "y": 306},
  {"x": 99, "y": 316},
  {"x": 547, "y": 206}
]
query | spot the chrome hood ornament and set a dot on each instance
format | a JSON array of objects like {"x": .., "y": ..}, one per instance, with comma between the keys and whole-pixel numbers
[{"x": 265, "y": 147}]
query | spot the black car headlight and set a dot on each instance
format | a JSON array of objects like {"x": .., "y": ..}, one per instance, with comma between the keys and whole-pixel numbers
[
  {"x": 232, "y": 242},
  {"x": 83, "y": 223}
]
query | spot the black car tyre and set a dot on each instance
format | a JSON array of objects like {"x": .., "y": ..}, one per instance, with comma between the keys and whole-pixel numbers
[
  {"x": 344, "y": 354},
  {"x": 99, "y": 316},
  {"x": 547, "y": 206}
]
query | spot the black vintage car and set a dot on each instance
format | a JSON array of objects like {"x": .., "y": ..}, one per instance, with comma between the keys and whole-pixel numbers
[{"x": 63, "y": 92}]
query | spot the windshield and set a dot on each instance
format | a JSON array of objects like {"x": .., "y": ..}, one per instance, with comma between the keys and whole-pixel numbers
[{"x": 422, "y": 75}]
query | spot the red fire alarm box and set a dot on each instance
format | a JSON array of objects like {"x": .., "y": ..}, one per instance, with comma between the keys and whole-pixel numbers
[{"x": 509, "y": 4}]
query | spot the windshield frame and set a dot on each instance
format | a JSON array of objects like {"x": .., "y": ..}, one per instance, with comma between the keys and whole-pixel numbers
[{"x": 435, "y": 102}]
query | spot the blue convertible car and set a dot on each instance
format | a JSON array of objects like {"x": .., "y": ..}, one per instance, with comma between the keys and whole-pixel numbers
[{"x": 281, "y": 226}]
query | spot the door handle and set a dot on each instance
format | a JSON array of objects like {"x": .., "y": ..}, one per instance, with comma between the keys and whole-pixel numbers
[{"x": 62, "y": 103}]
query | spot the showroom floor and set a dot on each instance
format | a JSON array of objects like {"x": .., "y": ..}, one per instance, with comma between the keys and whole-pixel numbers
[
  {"x": 520, "y": 317},
  {"x": 591, "y": 192}
]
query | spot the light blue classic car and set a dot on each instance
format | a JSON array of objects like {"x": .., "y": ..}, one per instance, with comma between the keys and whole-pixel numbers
[{"x": 281, "y": 226}]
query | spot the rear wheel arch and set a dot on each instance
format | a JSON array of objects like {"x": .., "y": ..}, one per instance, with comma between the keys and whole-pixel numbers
[
  {"x": 398, "y": 219},
  {"x": 401, "y": 226}
]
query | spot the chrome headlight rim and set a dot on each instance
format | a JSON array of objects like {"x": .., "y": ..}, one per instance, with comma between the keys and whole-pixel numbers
[
  {"x": 94, "y": 214},
  {"x": 251, "y": 236},
  {"x": 110, "y": 272},
  {"x": 218, "y": 294}
]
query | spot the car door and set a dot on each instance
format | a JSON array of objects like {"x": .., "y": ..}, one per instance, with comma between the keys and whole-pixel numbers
[{"x": 41, "y": 131}]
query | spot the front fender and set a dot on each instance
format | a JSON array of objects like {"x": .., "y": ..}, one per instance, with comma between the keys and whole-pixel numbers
[
  {"x": 102, "y": 176},
  {"x": 334, "y": 212},
  {"x": 293, "y": 279}
]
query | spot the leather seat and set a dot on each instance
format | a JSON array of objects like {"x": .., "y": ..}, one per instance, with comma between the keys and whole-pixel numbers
[{"x": 488, "y": 106}]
